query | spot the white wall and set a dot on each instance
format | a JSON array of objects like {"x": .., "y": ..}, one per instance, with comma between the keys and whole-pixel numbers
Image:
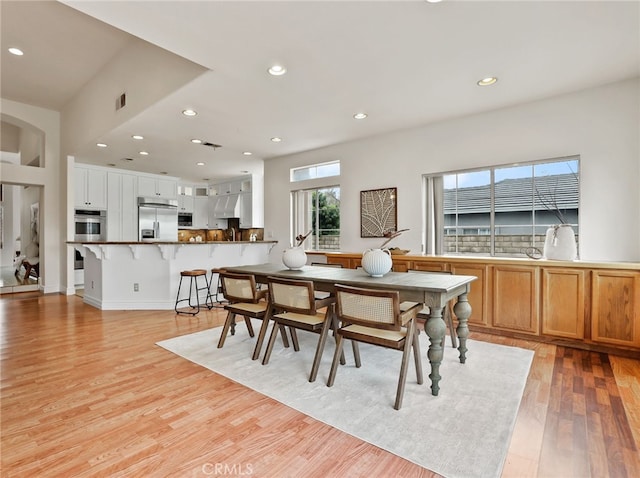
[
  {"x": 602, "y": 125},
  {"x": 52, "y": 252}
]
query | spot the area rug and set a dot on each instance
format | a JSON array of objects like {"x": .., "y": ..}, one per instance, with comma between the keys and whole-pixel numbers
[{"x": 463, "y": 432}]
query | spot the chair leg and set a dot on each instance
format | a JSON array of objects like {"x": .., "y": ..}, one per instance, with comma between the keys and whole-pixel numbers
[
  {"x": 356, "y": 353},
  {"x": 272, "y": 340},
  {"x": 225, "y": 329},
  {"x": 416, "y": 356},
  {"x": 326, "y": 325},
  {"x": 408, "y": 343},
  {"x": 283, "y": 332},
  {"x": 294, "y": 338},
  {"x": 336, "y": 359},
  {"x": 261, "y": 335},
  {"x": 247, "y": 320}
]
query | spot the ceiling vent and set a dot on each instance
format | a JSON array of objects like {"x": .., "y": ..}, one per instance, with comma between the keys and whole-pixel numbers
[
  {"x": 121, "y": 101},
  {"x": 127, "y": 159},
  {"x": 211, "y": 145}
]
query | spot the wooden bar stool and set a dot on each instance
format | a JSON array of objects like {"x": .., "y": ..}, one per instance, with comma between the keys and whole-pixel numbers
[
  {"x": 193, "y": 284},
  {"x": 219, "y": 303}
]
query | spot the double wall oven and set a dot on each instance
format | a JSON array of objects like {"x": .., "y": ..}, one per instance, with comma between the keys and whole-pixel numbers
[{"x": 89, "y": 226}]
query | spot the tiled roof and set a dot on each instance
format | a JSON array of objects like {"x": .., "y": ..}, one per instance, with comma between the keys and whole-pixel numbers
[{"x": 549, "y": 192}]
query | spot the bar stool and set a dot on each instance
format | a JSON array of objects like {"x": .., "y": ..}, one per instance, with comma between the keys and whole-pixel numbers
[
  {"x": 193, "y": 284},
  {"x": 220, "y": 302}
]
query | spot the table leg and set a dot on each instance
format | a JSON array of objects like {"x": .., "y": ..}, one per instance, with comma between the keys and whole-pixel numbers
[
  {"x": 462, "y": 309},
  {"x": 435, "y": 329}
]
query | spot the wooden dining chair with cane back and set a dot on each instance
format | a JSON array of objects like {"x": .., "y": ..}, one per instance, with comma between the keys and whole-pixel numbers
[
  {"x": 374, "y": 317},
  {"x": 246, "y": 300},
  {"x": 425, "y": 312},
  {"x": 295, "y": 306}
]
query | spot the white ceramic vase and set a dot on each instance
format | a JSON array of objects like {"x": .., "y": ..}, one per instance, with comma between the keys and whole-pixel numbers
[
  {"x": 377, "y": 262},
  {"x": 560, "y": 243},
  {"x": 294, "y": 257}
]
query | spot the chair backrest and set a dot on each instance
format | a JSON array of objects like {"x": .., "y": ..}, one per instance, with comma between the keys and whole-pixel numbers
[
  {"x": 368, "y": 307},
  {"x": 292, "y": 295},
  {"x": 239, "y": 287}
]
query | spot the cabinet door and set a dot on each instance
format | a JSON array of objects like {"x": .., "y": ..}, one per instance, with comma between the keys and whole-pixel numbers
[
  {"x": 146, "y": 186},
  {"x": 114, "y": 206},
  {"x": 246, "y": 210},
  {"x": 563, "y": 302},
  {"x": 80, "y": 188},
  {"x": 129, "y": 226},
  {"x": 429, "y": 266},
  {"x": 167, "y": 188},
  {"x": 515, "y": 298},
  {"x": 615, "y": 313},
  {"x": 201, "y": 212},
  {"x": 235, "y": 187},
  {"x": 245, "y": 185},
  {"x": 97, "y": 189},
  {"x": 479, "y": 295},
  {"x": 185, "y": 203}
]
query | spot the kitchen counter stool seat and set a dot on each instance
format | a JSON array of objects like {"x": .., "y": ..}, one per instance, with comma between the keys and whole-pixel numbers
[{"x": 193, "y": 276}]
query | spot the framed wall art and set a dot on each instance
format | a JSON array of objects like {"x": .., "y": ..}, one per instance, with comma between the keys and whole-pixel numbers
[{"x": 378, "y": 212}]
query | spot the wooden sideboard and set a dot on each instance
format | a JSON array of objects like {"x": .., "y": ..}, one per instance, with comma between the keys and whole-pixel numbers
[{"x": 593, "y": 306}]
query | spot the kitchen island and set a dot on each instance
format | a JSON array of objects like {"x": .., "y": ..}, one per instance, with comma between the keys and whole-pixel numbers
[{"x": 145, "y": 275}]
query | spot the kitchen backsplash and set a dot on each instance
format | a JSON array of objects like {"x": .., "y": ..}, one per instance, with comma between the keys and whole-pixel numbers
[{"x": 209, "y": 235}]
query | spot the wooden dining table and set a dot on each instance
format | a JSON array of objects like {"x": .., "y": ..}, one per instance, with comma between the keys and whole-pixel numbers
[{"x": 433, "y": 290}]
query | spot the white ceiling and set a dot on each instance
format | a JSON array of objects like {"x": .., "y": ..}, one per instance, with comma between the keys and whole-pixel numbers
[{"x": 404, "y": 63}]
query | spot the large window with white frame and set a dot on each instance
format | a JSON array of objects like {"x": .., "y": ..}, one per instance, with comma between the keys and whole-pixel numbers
[
  {"x": 502, "y": 210},
  {"x": 317, "y": 210}
]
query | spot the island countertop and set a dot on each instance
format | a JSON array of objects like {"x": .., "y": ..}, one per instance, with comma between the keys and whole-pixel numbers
[{"x": 175, "y": 243}]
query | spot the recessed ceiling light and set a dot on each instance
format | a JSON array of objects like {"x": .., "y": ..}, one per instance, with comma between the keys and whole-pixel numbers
[
  {"x": 276, "y": 139},
  {"x": 144, "y": 153},
  {"x": 137, "y": 136},
  {"x": 277, "y": 70},
  {"x": 489, "y": 80},
  {"x": 247, "y": 153},
  {"x": 360, "y": 115},
  {"x": 433, "y": 1},
  {"x": 101, "y": 145},
  {"x": 189, "y": 112},
  {"x": 200, "y": 164},
  {"x": 16, "y": 51},
  {"x": 196, "y": 141}
]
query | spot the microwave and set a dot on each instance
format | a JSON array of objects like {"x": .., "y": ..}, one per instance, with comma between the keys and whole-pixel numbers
[{"x": 185, "y": 219}]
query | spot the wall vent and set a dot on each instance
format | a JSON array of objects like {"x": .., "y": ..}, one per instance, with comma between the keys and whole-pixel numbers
[{"x": 211, "y": 145}]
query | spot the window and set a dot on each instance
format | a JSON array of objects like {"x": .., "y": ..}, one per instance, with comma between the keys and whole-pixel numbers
[
  {"x": 316, "y": 171},
  {"x": 500, "y": 211},
  {"x": 317, "y": 210}
]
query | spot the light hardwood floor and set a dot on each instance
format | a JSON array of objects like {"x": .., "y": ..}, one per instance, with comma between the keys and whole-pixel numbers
[{"x": 86, "y": 393}]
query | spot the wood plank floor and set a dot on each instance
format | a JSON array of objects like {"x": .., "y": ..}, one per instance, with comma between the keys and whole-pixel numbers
[{"x": 86, "y": 393}]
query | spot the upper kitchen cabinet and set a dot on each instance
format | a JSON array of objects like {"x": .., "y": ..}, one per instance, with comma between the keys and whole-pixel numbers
[
  {"x": 90, "y": 188},
  {"x": 240, "y": 197},
  {"x": 122, "y": 207},
  {"x": 185, "y": 198},
  {"x": 150, "y": 186}
]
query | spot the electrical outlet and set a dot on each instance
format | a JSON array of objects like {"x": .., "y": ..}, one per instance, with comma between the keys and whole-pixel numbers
[{"x": 136, "y": 287}]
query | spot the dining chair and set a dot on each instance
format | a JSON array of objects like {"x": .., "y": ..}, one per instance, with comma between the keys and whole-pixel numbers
[
  {"x": 425, "y": 313},
  {"x": 374, "y": 317},
  {"x": 245, "y": 299},
  {"x": 320, "y": 294},
  {"x": 295, "y": 306}
]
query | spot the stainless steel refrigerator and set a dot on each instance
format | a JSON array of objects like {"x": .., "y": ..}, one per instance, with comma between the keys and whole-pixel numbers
[{"x": 157, "y": 219}]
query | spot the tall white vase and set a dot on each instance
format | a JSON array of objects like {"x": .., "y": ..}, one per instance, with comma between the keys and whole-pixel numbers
[
  {"x": 294, "y": 257},
  {"x": 560, "y": 243},
  {"x": 377, "y": 262}
]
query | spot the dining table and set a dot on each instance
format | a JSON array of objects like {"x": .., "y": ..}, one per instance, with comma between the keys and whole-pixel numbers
[{"x": 433, "y": 290}]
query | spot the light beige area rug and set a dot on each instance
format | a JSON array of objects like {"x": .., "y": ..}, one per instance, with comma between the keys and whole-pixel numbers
[{"x": 463, "y": 432}]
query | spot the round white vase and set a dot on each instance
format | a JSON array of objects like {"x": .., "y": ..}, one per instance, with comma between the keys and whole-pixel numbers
[
  {"x": 294, "y": 257},
  {"x": 560, "y": 243},
  {"x": 377, "y": 262}
]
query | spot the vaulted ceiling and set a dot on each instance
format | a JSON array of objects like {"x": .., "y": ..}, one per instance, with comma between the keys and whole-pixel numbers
[{"x": 405, "y": 64}]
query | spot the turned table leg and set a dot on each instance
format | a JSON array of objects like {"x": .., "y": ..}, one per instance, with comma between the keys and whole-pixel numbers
[
  {"x": 462, "y": 309},
  {"x": 435, "y": 329}
]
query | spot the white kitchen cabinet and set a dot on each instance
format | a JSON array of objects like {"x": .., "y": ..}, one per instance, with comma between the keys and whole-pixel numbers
[
  {"x": 201, "y": 212},
  {"x": 245, "y": 210},
  {"x": 149, "y": 186},
  {"x": 122, "y": 207},
  {"x": 185, "y": 203},
  {"x": 90, "y": 188}
]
